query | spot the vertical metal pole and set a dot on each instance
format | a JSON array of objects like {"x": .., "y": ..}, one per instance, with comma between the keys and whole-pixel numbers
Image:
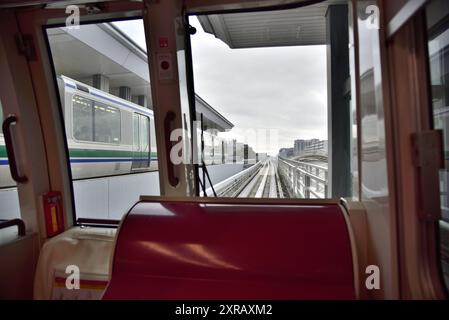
[
  {"x": 191, "y": 97},
  {"x": 296, "y": 176},
  {"x": 203, "y": 164},
  {"x": 326, "y": 187},
  {"x": 307, "y": 186}
]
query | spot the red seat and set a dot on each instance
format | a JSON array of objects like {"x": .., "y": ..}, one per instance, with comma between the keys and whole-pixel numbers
[{"x": 191, "y": 250}]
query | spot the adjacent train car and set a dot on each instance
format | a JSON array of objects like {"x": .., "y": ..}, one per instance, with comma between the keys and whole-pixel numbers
[
  {"x": 106, "y": 135},
  {"x": 5, "y": 174}
]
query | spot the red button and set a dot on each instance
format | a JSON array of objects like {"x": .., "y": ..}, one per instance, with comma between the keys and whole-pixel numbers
[{"x": 165, "y": 65}]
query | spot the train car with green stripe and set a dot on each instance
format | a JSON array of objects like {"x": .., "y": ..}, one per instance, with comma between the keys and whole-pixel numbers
[
  {"x": 106, "y": 135},
  {"x": 5, "y": 175}
]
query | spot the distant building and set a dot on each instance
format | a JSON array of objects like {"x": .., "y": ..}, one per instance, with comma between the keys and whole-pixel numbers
[
  {"x": 261, "y": 156},
  {"x": 250, "y": 157},
  {"x": 316, "y": 146},
  {"x": 287, "y": 152},
  {"x": 305, "y": 147},
  {"x": 299, "y": 147}
]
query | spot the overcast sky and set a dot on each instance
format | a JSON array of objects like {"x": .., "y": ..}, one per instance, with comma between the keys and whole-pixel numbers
[{"x": 282, "y": 89}]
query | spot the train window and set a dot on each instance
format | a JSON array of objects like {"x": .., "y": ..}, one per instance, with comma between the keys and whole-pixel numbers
[
  {"x": 83, "y": 125},
  {"x": 94, "y": 121},
  {"x": 278, "y": 92},
  {"x": 438, "y": 34},
  {"x": 141, "y": 142},
  {"x": 145, "y": 133},
  {"x": 136, "y": 134},
  {"x": 106, "y": 123},
  {"x": 108, "y": 116}
]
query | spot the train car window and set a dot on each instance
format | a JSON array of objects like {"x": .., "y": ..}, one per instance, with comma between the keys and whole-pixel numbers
[
  {"x": 83, "y": 124},
  {"x": 106, "y": 123},
  {"x": 94, "y": 121},
  {"x": 141, "y": 142},
  {"x": 145, "y": 133},
  {"x": 277, "y": 87},
  {"x": 9, "y": 198},
  {"x": 438, "y": 36},
  {"x": 136, "y": 141},
  {"x": 107, "y": 110}
]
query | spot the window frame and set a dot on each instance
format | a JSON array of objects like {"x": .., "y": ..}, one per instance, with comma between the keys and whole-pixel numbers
[
  {"x": 437, "y": 123},
  {"x": 73, "y": 119}
]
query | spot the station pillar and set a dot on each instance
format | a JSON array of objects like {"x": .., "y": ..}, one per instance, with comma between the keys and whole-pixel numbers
[
  {"x": 100, "y": 82},
  {"x": 141, "y": 100},
  {"x": 124, "y": 93},
  {"x": 339, "y": 124}
]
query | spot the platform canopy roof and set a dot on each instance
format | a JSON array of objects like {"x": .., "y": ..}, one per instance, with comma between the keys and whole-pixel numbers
[
  {"x": 293, "y": 27},
  {"x": 100, "y": 49}
]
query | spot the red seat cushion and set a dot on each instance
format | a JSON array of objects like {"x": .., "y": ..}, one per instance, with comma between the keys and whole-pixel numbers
[{"x": 191, "y": 250}]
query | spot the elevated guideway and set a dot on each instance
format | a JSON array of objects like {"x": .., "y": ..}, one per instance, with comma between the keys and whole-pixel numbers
[
  {"x": 276, "y": 178},
  {"x": 258, "y": 181}
]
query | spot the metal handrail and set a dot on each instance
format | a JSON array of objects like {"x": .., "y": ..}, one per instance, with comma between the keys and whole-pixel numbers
[
  {"x": 14, "y": 222},
  {"x": 12, "y": 159},
  {"x": 98, "y": 222},
  {"x": 304, "y": 163},
  {"x": 301, "y": 180},
  {"x": 314, "y": 177}
]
